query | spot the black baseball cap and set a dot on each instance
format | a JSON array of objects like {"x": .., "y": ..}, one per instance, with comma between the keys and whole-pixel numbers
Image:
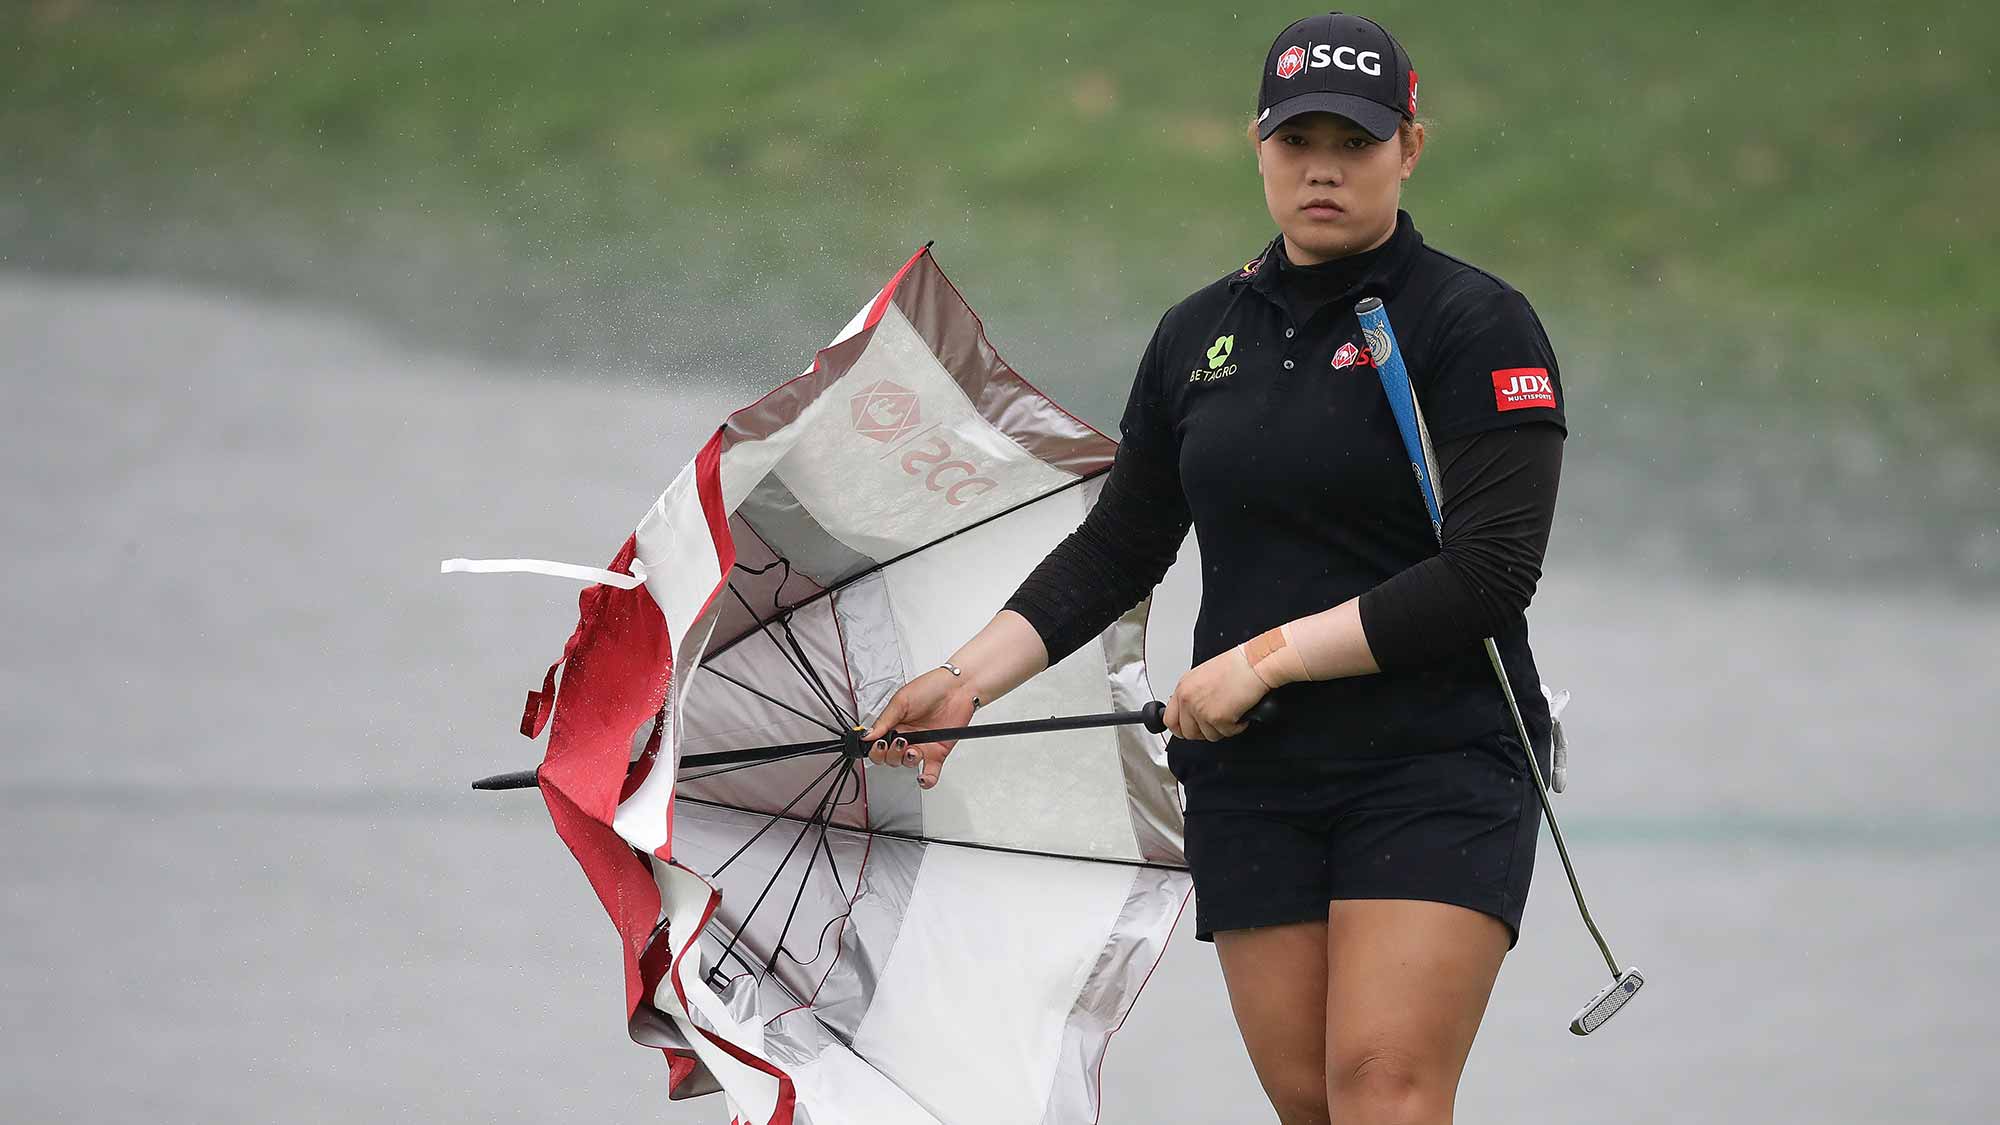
[{"x": 1337, "y": 63}]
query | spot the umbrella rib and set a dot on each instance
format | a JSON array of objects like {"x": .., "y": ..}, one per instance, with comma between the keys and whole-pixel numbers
[
  {"x": 719, "y": 981},
  {"x": 813, "y": 719},
  {"x": 831, "y": 866},
  {"x": 819, "y": 945},
  {"x": 872, "y": 568},
  {"x": 764, "y": 627},
  {"x": 775, "y": 817},
  {"x": 825, "y": 692},
  {"x": 825, "y": 816},
  {"x": 916, "y": 839},
  {"x": 743, "y": 924}
]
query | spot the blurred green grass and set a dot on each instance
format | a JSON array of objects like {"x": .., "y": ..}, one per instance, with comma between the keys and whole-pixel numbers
[{"x": 1751, "y": 215}]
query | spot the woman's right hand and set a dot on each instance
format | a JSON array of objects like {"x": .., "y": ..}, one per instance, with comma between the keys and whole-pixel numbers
[{"x": 933, "y": 701}]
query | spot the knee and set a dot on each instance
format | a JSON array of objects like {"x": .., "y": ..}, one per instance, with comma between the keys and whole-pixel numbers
[
  {"x": 1383, "y": 1085},
  {"x": 1305, "y": 1105},
  {"x": 1298, "y": 1095}
]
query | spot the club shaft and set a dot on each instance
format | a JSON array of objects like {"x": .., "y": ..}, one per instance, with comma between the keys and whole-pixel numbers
[
  {"x": 1548, "y": 810},
  {"x": 1409, "y": 413}
]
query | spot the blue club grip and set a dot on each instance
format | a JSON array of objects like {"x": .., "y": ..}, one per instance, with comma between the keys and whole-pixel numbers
[{"x": 1387, "y": 358}]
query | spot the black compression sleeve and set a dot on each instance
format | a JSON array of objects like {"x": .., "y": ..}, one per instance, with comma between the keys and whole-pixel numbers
[
  {"x": 1114, "y": 558},
  {"x": 1499, "y": 491}
]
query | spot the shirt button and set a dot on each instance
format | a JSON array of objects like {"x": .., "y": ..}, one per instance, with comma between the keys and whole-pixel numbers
[
  {"x": 1290, "y": 332},
  {"x": 1288, "y": 365}
]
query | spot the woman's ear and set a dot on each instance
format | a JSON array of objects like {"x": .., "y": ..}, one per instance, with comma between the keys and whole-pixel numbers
[
  {"x": 1256, "y": 147},
  {"x": 1413, "y": 146}
]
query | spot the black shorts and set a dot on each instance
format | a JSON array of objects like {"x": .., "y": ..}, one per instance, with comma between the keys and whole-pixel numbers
[{"x": 1454, "y": 826}]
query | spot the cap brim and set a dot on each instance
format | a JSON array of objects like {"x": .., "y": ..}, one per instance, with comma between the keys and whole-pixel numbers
[{"x": 1379, "y": 120}]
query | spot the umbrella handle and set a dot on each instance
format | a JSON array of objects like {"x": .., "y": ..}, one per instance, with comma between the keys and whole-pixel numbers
[{"x": 1265, "y": 710}]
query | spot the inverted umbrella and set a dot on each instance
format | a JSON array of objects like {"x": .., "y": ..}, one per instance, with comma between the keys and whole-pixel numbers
[{"x": 812, "y": 935}]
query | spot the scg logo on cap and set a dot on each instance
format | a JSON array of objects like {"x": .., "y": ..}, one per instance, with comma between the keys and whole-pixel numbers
[{"x": 1323, "y": 55}]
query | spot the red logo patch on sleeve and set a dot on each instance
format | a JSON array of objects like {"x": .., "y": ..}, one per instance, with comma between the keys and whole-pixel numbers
[{"x": 1518, "y": 388}]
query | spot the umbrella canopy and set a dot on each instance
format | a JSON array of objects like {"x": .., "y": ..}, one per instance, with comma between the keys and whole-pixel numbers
[{"x": 816, "y": 937}]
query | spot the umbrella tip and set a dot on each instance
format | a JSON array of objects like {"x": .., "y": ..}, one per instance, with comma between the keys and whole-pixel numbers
[{"x": 519, "y": 779}]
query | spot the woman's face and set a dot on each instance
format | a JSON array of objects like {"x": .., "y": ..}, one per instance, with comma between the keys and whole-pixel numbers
[{"x": 1333, "y": 189}]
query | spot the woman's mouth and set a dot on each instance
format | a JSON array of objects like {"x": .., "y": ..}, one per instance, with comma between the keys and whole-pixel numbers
[{"x": 1322, "y": 209}]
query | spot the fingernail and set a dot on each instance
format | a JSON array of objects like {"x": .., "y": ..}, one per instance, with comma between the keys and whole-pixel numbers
[
  {"x": 901, "y": 742},
  {"x": 881, "y": 745},
  {"x": 925, "y": 783},
  {"x": 909, "y": 757}
]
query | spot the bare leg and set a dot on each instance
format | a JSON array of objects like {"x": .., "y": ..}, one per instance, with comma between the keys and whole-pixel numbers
[
  {"x": 1408, "y": 985},
  {"x": 1277, "y": 988}
]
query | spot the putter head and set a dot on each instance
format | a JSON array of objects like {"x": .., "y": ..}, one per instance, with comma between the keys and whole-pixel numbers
[{"x": 1606, "y": 1003}]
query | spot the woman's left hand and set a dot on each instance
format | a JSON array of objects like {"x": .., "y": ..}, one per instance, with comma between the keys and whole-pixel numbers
[{"x": 1209, "y": 702}]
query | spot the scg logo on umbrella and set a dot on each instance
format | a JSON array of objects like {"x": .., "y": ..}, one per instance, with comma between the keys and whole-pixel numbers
[{"x": 887, "y": 412}]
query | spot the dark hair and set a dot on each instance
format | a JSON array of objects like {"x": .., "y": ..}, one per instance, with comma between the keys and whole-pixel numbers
[{"x": 1403, "y": 129}]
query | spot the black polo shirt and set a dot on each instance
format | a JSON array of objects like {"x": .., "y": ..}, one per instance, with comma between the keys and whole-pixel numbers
[{"x": 1301, "y": 492}]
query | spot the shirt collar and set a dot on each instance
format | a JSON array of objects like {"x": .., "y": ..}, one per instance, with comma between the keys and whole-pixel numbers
[{"x": 1383, "y": 279}]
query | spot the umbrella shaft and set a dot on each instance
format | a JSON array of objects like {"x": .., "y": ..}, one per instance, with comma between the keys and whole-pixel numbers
[
  {"x": 1151, "y": 716},
  {"x": 855, "y": 748},
  {"x": 1023, "y": 726}
]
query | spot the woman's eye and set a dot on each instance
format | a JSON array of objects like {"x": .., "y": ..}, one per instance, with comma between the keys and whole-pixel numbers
[{"x": 1357, "y": 143}]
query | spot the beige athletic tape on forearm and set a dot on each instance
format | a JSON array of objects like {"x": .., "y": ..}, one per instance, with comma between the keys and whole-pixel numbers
[
  {"x": 1323, "y": 646},
  {"x": 1273, "y": 658}
]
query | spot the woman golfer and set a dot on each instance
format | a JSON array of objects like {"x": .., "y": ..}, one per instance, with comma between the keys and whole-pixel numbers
[{"x": 1360, "y": 860}]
